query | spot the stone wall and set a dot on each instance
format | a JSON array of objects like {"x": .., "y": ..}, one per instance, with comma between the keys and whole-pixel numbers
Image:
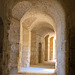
[
  {"x": 33, "y": 57},
  {"x": 14, "y": 38},
  {"x": 40, "y": 47},
  {"x": 36, "y": 40},
  {"x": 46, "y": 48},
  {"x": 43, "y": 50},
  {"x": 25, "y": 48},
  {"x": 55, "y": 50},
  {"x": 18, "y": 44},
  {"x": 51, "y": 48},
  {"x": 17, "y": 40}
]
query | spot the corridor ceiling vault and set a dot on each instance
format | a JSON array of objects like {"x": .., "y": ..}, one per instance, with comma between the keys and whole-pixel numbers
[{"x": 31, "y": 12}]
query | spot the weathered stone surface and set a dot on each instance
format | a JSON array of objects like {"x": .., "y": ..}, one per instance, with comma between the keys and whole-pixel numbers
[{"x": 59, "y": 13}]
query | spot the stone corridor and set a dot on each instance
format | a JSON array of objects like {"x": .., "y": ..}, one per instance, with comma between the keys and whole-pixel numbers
[{"x": 37, "y": 37}]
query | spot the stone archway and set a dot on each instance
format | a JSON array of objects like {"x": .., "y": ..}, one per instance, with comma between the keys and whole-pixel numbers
[{"x": 53, "y": 15}]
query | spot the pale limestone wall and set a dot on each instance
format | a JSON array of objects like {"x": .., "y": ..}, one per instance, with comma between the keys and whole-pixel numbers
[
  {"x": 14, "y": 37},
  {"x": 25, "y": 50},
  {"x": 38, "y": 40},
  {"x": 43, "y": 50},
  {"x": 46, "y": 48},
  {"x": 41, "y": 40},
  {"x": 33, "y": 56},
  {"x": 14, "y": 46},
  {"x": 35, "y": 40},
  {"x": 55, "y": 50},
  {"x": 51, "y": 48},
  {"x": 61, "y": 47}
]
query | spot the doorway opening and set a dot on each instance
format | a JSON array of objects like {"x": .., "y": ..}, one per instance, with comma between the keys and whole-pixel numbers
[{"x": 39, "y": 53}]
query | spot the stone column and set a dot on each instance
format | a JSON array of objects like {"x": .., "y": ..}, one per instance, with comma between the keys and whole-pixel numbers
[
  {"x": 55, "y": 49},
  {"x": 46, "y": 48},
  {"x": 13, "y": 46},
  {"x": 25, "y": 48},
  {"x": 61, "y": 50},
  {"x": 51, "y": 48},
  {"x": 40, "y": 48},
  {"x": 43, "y": 49},
  {"x": 33, "y": 57}
]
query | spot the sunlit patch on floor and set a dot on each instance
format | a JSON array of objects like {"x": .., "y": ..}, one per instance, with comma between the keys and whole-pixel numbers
[{"x": 37, "y": 70}]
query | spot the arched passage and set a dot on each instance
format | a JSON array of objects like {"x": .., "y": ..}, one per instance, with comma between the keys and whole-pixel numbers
[
  {"x": 29, "y": 18},
  {"x": 37, "y": 36}
]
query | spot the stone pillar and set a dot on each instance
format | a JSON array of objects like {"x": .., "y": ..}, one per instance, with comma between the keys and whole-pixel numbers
[
  {"x": 39, "y": 52},
  {"x": 43, "y": 49},
  {"x": 25, "y": 48},
  {"x": 51, "y": 48},
  {"x": 61, "y": 50},
  {"x": 55, "y": 49},
  {"x": 46, "y": 48},
  {"x": 33, "y": 57},
  {"x": 41, "y": 40},
  {"x": 13, "y": 46},
  {"x": 18, "y": 48}
]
